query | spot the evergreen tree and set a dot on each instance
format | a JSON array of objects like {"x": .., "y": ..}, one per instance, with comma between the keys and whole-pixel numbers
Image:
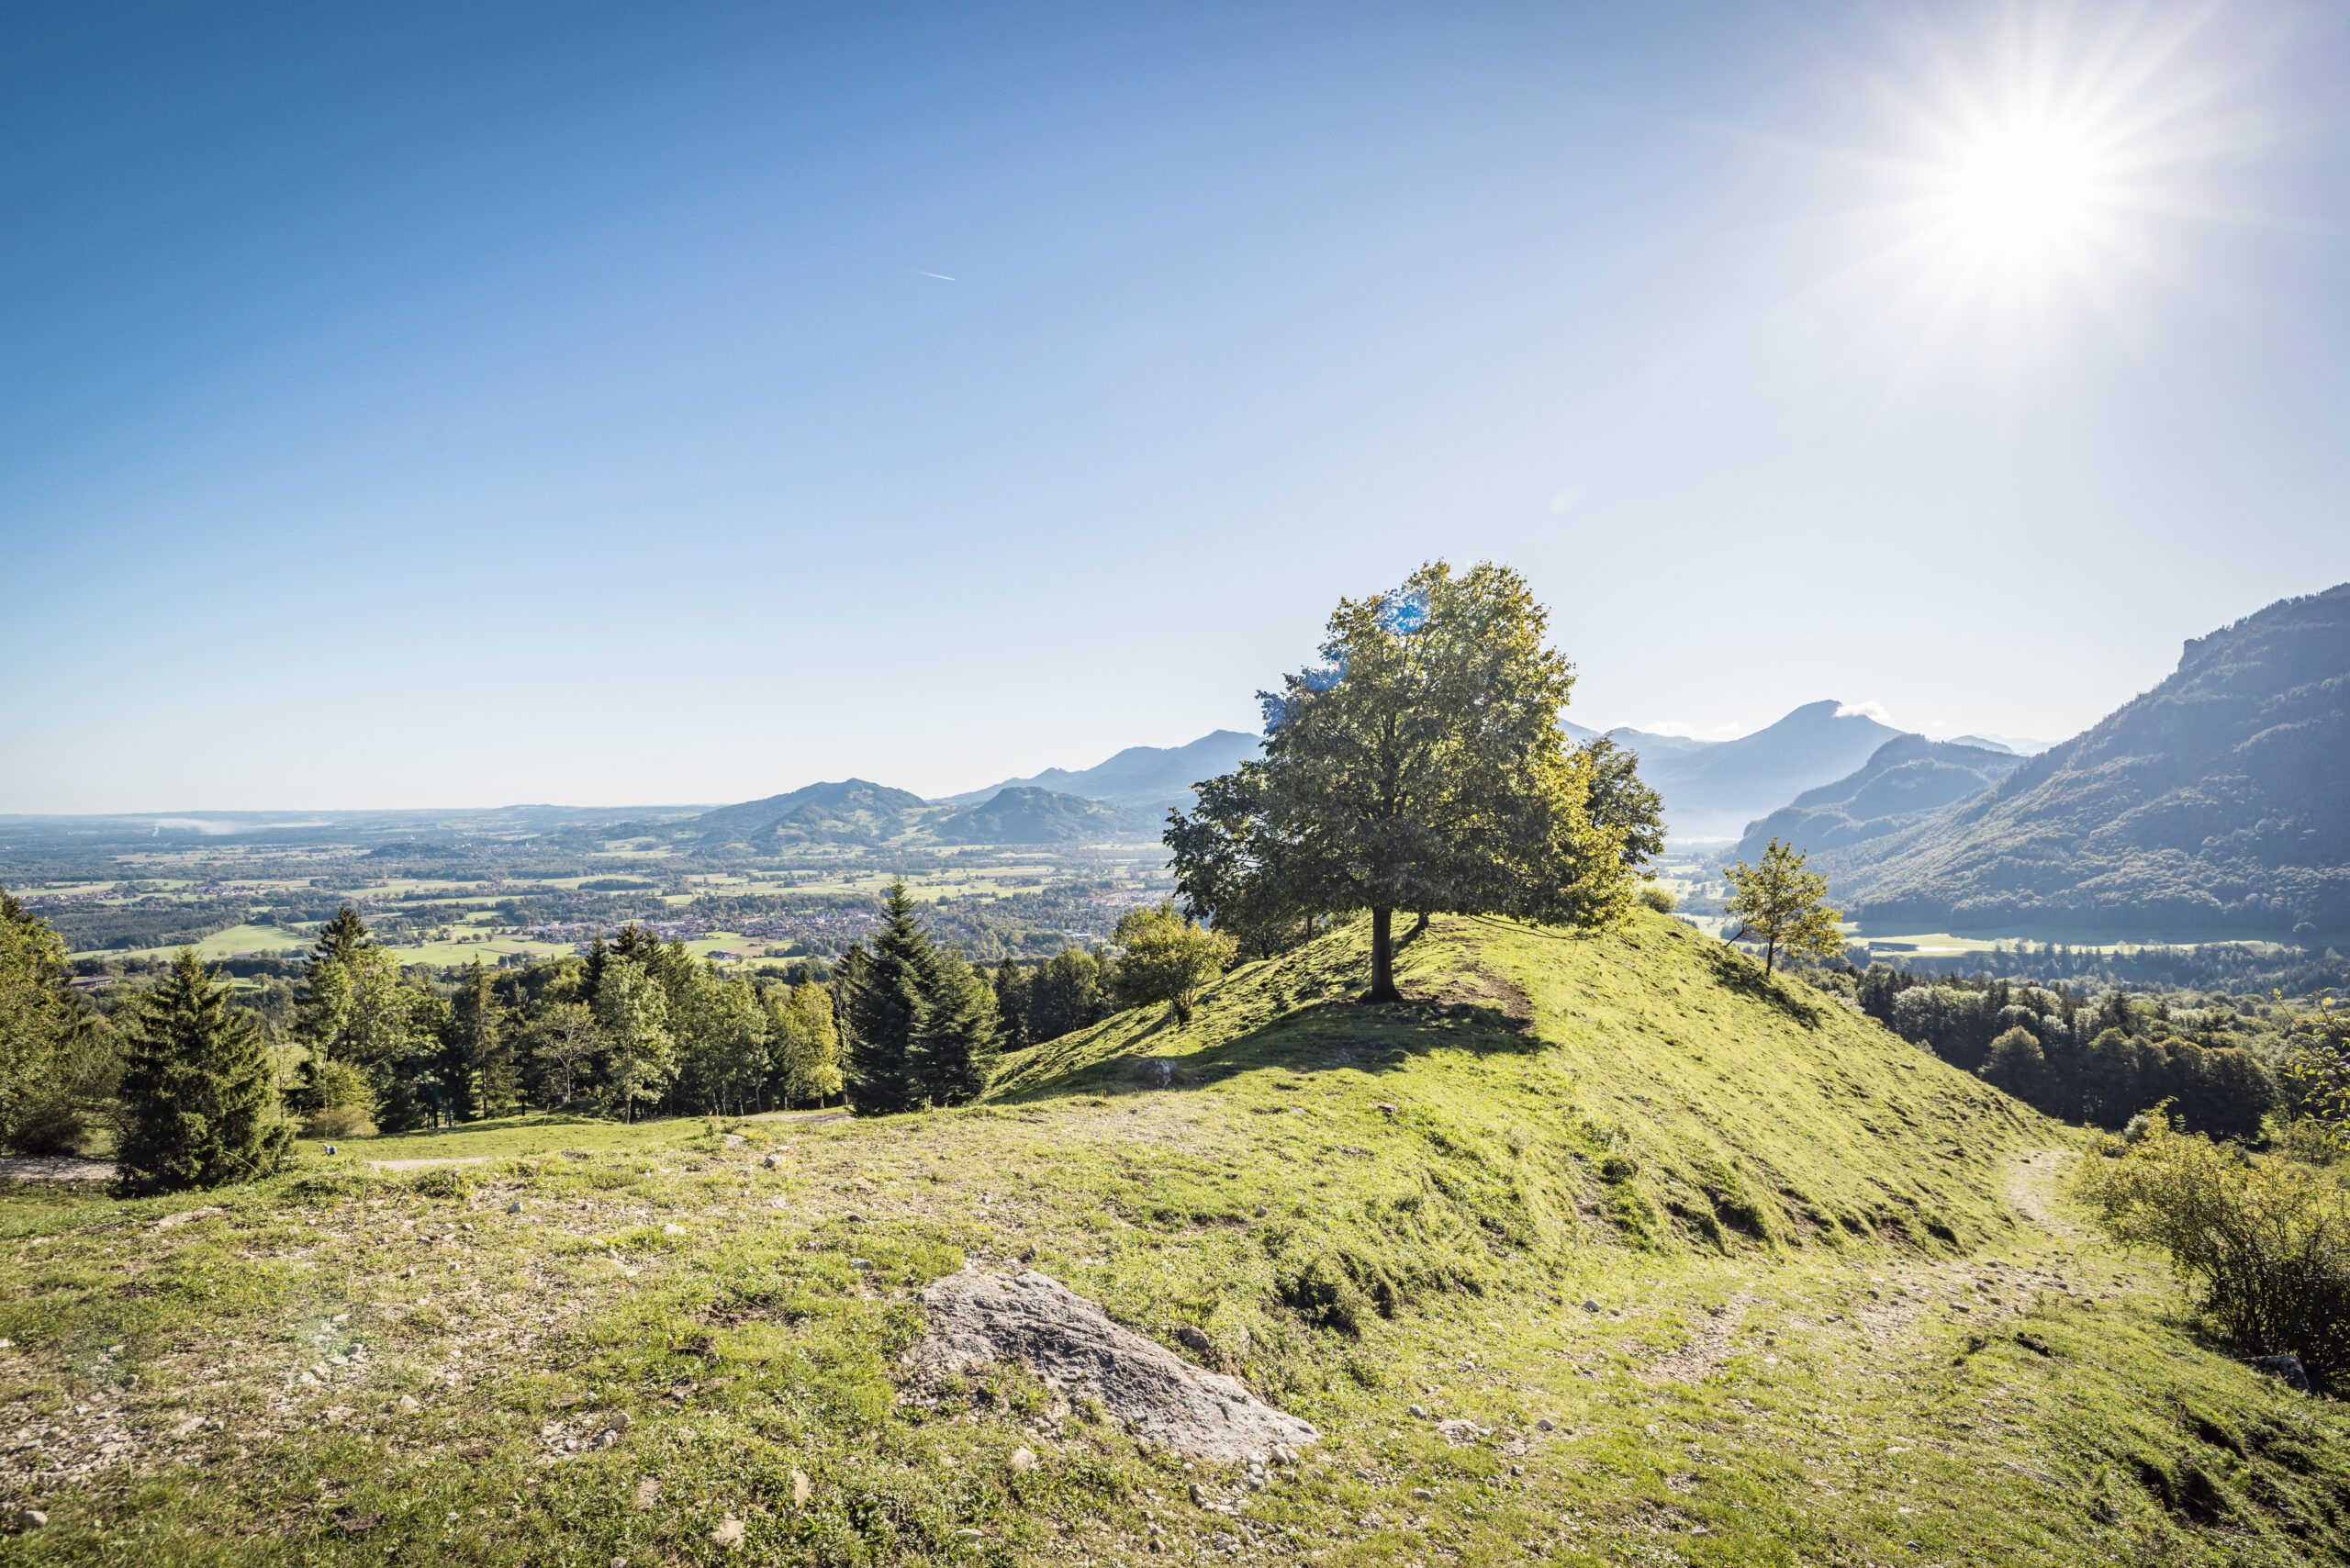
[
  {"x": 1064, "y": 994},
  {"x": 1011, "y": 984},
  {"x": 199, "y": 1098},
  {"x": 955, "y": 1036},
  {"x": 478, "y": 1070},
  {"x": 882, "y": 992},
  {"x": 56, "y": 1059}
]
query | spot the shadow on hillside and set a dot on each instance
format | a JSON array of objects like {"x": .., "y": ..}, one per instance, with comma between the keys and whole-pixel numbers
[
  {"x": 1733, "y": 971},
  {"x": 1319, "y": 1037},
  {"x": 502, "y": 1125}
]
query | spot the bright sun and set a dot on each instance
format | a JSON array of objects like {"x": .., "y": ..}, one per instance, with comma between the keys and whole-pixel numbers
[{"x": 2026, "y": 191}]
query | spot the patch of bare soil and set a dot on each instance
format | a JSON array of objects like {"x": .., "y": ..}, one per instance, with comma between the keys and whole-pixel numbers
[
  {"x": 1706, "y": 1351},
  {"x": 54, "y": 1168}
]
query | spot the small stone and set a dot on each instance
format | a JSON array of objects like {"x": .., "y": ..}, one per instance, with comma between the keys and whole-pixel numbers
[
  {"x": 728, "y": 1532},
  {"x": 32, "y": 1518},
  {"x": 1022, "y": 1459},
  {"x": 1543, "y": 1424},
  {"x": 673, "y": 1228},
  {"x": 515, "y": 1207},
  {"x": 771, "y": 1162},
  {"x": 1199, "y": 1496},
  {"x": 1384, "y": 1107},
  {"x": 1591, "y": 1306},
  {"x": 1193, "y": 1334},
  {"x": 800, "y": 1489},
  {"x": 1417, "y": 1412},
  {"x": 648, "y": 1492},
  {"x": 410, "y": 1403},
  {"x": 1423, "y": 1493}
]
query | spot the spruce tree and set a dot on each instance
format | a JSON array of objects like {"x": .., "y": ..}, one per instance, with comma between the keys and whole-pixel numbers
[
  {"x": 1012, "y": 1004},
  {"x": 199, "y": 1098},
  {"x": 955, "y": 1037},
  {"x": 882, "y": 992}
]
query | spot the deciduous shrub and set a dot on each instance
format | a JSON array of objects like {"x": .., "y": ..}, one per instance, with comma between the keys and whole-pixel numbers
[
  {"x": 1659, "y": 897},
  {"x": 2264, "y": 1243}
]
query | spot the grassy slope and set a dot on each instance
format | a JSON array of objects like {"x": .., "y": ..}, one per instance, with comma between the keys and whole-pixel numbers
[{"x": 1727, "y": 1276}]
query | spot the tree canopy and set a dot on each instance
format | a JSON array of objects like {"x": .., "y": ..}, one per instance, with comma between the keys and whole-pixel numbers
[
  {"x": 1782, "y": 906},
  {"x": 1423, "y": 765}
]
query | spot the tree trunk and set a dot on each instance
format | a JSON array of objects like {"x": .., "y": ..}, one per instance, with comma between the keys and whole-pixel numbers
[
  {"x": 1383, "y": 957},
  {"x": 1420, "y": 924},
  {"x": 1770, "y": 953}
]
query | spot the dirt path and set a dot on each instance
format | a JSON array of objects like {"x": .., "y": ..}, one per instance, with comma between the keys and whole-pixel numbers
[
  {"x": 54, "y": 1168},
  {"x": 429, "y": 1164}
]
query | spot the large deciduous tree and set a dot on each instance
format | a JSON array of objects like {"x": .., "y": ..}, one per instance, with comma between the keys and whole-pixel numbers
[
  {"x": 1422, "y": 765},
  {"x": 199, "y": 1098}
]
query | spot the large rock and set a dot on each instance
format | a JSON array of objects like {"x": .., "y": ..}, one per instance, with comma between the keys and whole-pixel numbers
[{"x": 978, "y": 1319}]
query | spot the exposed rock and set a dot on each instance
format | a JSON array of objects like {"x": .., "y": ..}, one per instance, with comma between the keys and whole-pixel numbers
[
  {"x": 32, "y": 1518},
  {"x": 2286, "y": 1369},
  {"x": 1024, "y": 1459},
  {"x": 648, "y": 1492},
  {"x": 977, "y": 1319},
  {"x": 800, "y": 1489},
  {"x": 1460, "y": 1431},
  {"x": 1195, "y": 1337},
  {"x": 1158, "y": 1072},
  {"x": 728, "y": 1532}
]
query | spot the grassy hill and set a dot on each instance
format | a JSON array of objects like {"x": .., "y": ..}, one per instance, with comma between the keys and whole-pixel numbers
[{"x": 1599, "y": 1251}]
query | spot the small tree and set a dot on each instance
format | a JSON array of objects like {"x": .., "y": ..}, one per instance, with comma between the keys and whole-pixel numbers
[
  {"x": 1782, "y": 906},
  {"x": 807, "y": 1044},
  {"x": 1168, "y": 959},
  {"x": 564, "y": 1042},
  {"x": 199, "y": 1098}
]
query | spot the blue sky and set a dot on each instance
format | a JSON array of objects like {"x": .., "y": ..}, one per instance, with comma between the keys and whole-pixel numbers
[{"x": 459, "y": 405}]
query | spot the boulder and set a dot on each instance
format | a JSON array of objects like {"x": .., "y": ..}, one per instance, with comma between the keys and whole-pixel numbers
[
  {"x": 2286, "y": 1369},
  {"x": 978, "y": 1319}
]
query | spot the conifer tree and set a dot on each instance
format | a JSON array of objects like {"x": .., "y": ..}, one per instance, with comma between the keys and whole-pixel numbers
[
  {"x": 639, "y": 1056},
  {"x": 882, "y": 992},
  {"x": 955, "y": 1037},
  {"x": 478, "y": 1070},
  {"x": 1011, "y": 984},
  {"x": 199, "y": 1098}
]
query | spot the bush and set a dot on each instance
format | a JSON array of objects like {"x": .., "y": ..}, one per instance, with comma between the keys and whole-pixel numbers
[
  {"x": 1659, "y": 897},
  {"x": 345, "y": 1105},
  {"x": 2265, "y": 1243}
]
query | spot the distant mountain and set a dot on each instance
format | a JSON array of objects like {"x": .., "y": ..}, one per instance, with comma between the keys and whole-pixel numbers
[
  {"x": 1904, "y": 781},
  {"x": 1024, "y": 815},
  {"x": 2021, "y": 746},
  {"x": 850, "y": 811},
  {"x": 2213, "y": 805},
  {"x": 1713, "y": 789},
  {"x": 1144, "y": 775}
]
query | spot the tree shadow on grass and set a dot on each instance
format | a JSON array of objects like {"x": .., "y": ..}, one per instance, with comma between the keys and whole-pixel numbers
[
  {"x": 1319, "y": 1037},
  {"x": 1734, "y": 972}
]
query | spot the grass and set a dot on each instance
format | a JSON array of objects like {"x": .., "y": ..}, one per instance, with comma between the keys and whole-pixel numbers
[
  {"x": 221, "y": 943},
  {"x": 1721, "y": 1273}
]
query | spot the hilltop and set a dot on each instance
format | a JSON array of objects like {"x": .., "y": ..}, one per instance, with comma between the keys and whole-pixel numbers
[
  {"x": 1601, "y": 1248},
  {"x": 2211, "y": 806},
  {"x": 857, "y": 813}
]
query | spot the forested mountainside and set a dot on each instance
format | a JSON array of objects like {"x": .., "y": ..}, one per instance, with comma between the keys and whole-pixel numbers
[
  {"x": 2212, "y": 805},
  {"x": 1904, "y": 781}
]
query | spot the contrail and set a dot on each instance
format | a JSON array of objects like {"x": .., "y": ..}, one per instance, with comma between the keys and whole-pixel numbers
[{"x": 940, "y": 276}]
